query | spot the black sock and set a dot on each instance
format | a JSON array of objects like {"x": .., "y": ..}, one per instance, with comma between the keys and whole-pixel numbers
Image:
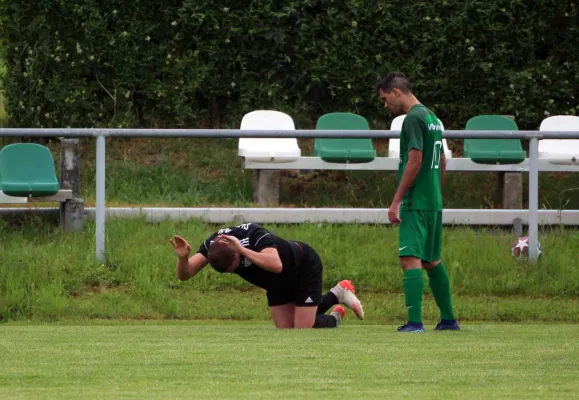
[
  {"x": 328, "y": 300},
  {"x": 325, "y": 321}
]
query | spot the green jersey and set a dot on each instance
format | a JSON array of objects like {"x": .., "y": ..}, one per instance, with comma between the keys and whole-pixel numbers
[{"x": 422, "y": 130}]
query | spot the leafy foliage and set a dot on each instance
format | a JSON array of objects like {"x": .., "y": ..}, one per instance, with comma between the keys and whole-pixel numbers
[{"x": 190, "y": 63}]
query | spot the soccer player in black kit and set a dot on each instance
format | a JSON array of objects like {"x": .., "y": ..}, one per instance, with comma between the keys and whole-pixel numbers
[{"x": 289, "y": 271}]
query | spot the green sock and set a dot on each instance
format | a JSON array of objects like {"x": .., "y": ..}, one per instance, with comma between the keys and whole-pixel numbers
[
  {"x": 440, "y": 286},
  {"x": 413, "y": 291}
]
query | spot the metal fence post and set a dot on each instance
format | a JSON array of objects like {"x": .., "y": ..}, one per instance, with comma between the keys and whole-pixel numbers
[
  {"x": 100, "y": 199},
  {"x": 71, "y": 211},
  {"x": 533, "y": 197}
]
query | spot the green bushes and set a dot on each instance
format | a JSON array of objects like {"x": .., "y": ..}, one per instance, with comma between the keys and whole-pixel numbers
[{"x": 198, "y": 63}]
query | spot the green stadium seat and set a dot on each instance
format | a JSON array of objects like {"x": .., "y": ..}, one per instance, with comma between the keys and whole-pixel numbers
[
  {"x": 27, "y": 169},
  {"x": 493, "y": 151},
  {"x": 344, "y": 150}
]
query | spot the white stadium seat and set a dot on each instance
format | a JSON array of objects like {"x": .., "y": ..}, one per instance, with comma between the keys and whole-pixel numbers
[
  {"x": 560, "y": 151},
  {"x": 394, "y": 144},
  {"x": 268, "y": 149}
]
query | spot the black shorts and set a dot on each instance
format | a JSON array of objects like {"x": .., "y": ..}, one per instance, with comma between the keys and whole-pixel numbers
[{"x": 307, "y": 292}]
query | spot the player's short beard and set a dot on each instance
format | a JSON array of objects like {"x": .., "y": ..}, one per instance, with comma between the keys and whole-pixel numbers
[{"x": 397, "y": 110}]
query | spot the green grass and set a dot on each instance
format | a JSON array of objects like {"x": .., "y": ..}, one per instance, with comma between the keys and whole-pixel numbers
[
  {"x": 174, "y": 172},
  {"x": 48, "y": 275},
  {"x": 255, "y": 361}
]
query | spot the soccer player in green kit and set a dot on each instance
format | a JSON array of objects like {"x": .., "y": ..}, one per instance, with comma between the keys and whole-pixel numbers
[{"x": 417, "y": 204}]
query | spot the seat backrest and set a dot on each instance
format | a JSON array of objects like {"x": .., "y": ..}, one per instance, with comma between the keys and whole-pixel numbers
[
  {"x": 560, "y": 151},
  {"x": 560, "y": 123},
  {"x": 493, "y": 151},
  {"x": 397, "y": 122},
  {"x": 491, "y": 123},
  {"x": 268, "y": 149},
  {"x": 394, "y": 144},
  {"x": 342, "y": 121},
  {"x": 266, "y": 120},
  {"x": 344, "y": 150},
  {"x": 26, "y": 162}
]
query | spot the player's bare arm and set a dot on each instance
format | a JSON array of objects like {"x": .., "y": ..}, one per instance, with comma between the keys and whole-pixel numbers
[
  {"x": 186, "y": 267},
  {"x": 410, "y": 172},
  {"x": 267, "y": 259}
]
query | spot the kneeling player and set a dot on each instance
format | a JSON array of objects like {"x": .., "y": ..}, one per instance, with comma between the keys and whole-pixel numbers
[{"x": 290, "y": 272}]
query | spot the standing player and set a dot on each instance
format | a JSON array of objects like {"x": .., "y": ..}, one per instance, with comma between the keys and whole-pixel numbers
[
  {"x": 417, "y": 204},
  {"x": 290, "y": 272}
]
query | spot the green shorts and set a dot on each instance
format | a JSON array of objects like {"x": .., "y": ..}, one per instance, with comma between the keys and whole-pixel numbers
[{"x": 420, "y": 234}]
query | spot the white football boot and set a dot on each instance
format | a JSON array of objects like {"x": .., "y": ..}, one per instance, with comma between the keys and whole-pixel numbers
[{"x": 345, "y": 293}]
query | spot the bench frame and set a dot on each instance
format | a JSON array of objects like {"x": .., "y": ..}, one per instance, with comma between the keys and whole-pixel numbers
[
  {"x": 266, "y": 176},
  {"x": 391, "y": 164}
]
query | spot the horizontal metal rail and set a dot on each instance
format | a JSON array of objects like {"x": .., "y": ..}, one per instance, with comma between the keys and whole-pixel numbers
[{"x": 247, "y": 133}]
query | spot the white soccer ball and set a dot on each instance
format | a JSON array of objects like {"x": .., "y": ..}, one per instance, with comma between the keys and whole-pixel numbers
[{"x": 520, "y": 247}]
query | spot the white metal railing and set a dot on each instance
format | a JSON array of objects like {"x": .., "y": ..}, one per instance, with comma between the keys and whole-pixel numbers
[{"x": 102, "y": 134}]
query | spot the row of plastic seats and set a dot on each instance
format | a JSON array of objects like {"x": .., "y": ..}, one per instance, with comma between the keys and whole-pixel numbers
[
  {"x": 287, "y": 150},
  {"x": 484, "y": 151},
  {"x": 27, "y": 169}
]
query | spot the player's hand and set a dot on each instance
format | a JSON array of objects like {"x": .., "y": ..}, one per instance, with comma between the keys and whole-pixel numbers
[
  {"x": 232, "y": 242},
  {"x": 394, "y": 213},
  {"x": 180, "y": 246}
]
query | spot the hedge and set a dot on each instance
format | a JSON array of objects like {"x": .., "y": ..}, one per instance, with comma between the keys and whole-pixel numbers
[{"x": 193, "y": 63}]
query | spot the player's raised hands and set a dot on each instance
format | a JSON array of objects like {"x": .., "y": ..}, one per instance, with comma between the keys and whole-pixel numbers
[{"x": 180, "y": 246}]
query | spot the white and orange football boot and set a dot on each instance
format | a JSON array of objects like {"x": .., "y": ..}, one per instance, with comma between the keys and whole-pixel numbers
[{"x": 345, "y": 293}]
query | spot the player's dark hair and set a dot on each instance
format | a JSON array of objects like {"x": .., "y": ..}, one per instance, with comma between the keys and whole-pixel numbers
[
  {"x": 220, "y": 256},
  {"x": 395, "y": 80}
]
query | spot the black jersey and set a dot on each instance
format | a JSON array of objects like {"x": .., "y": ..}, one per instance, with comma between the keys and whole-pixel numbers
[{"x": 256, "y": 238}]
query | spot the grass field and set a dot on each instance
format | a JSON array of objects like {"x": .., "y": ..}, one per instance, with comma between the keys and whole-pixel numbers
[
  {"x": 48, "y": 275},
  {"x": 212, "y": 360}
]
